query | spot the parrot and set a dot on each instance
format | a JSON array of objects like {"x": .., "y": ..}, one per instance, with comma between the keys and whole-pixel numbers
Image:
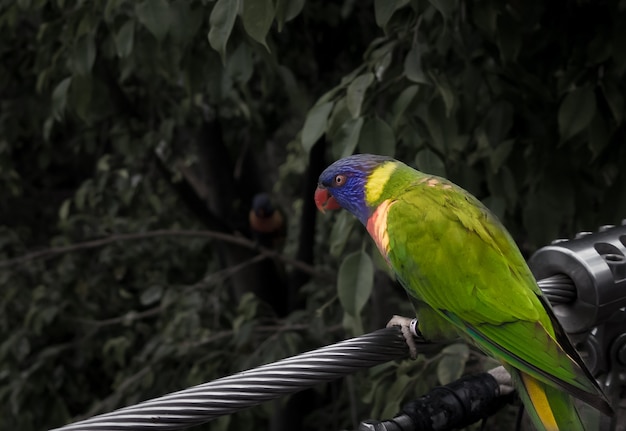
[
  {"x": 466, "y": 278},
  {"x": 266, "y": 221}
]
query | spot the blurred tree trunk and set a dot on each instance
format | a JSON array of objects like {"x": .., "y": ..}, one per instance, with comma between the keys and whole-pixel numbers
[{"x": 215, "y": 184}]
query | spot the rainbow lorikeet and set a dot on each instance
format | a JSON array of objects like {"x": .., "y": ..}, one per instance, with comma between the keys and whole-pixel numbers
[
  {"x": 466, "y": 277},
  {"x": 266, "y": 221}
]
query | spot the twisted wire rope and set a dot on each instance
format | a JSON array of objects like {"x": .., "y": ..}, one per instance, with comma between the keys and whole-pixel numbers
[
  {"x": 558, "y": 288},
  {"x": 207, "y": 401}
]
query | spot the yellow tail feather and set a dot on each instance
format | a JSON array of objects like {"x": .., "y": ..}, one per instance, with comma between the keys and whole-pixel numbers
[
  {"x": 549, "y": 408},
  {"x": 539, "y": 400}
]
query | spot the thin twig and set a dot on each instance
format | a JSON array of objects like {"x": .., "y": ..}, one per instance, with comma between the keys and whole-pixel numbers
[
  {"x": 127, "y": 318},
  {"x": 226, "y": 273},
  {"x": 202, "y": 234}
]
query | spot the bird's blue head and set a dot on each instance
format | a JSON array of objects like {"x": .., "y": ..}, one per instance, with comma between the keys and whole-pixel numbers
[
  {"x": 342, "y": 184},
  {"x": 262, "y": 205}
]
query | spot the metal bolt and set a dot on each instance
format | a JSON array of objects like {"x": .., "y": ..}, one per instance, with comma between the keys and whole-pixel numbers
[
  {"x": 558, "y": 241},
  {"x": 580, "y": 235},
  {"x": 606, "y": 227}
]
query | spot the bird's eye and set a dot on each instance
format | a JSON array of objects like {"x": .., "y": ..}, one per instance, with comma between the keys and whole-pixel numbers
[{"x": 340, "y": 180}]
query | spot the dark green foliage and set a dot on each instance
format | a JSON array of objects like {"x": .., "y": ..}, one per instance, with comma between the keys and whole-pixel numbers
[{"x": 148, "y": 124}]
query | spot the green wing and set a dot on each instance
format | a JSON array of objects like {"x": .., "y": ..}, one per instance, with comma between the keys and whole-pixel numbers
[{"x": 452, "y": 254}]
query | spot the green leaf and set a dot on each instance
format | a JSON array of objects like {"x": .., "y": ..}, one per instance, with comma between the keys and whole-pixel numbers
[
  {"x": 64, "y": 210},
  {"x": 257, "y": 19},
  {"x": 498, "y": 122},
  {"x": 353, "y": 325},
  {"x": 413, "y": 66},
  {"x": 443, "y": 128},
  {"x": 355, "y": 93},
  {"x": 286, "y": 10},
  {"x": 397, "y": 391},
  {"x": 445, "y": 89},
  {"x": 381, "y": 59},
  {"x": 47, "y": 128},
  {"x": 240, "y": 64},
  {"x": 295, "y": 92},
  {"x": 155, "y": 16},
  {"x": 221, "y": 24},
  {"x": 247, "y": 306},
  {"x": 80, "y": 95},
  {"x": 347, "y": 138},
  {"x": 576, "y": 111},
  {"x": 80, "y": 197},
  {"x": 341, "y": 232},
  {"x": 315, "y": 124},
  {"x": 338, "y": 117},
  {"x": 87, "y": 24},
  {"x": 104, "y": 163},
  {"x": 452, "y": 364},
  {"x": 222, "y": 423},
  {"x": 355, "y": 282},
  {"x": 500, "y": 154},
  {"x": 22, "y": 348},
  {"x": 124, "y": 39},
  {"x": 377, "y": 138},
  {"x": 429, "y": 162},
  {"x": 502, "y": 185},
  {"x": 615, "y": 99},
  {"x": 115, "y": 349},
  {"x": 42, "y": 80},
  {"x": 59, "y": 98},
  {"x": 402, "y": 103},
  {"x": 384, "y": 9},
  {"x": 84, "y": 55},
  {"x": 151, "y": 295},
  {"x": 112, "y": 6}
]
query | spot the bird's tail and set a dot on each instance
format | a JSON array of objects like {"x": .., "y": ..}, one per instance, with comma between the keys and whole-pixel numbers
[{"x": 550, "y": 408}]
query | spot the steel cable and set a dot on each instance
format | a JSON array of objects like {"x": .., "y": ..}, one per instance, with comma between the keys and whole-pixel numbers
[
  {"x": 559, "y": 289},
  {"x": 202, "y": 403},
  {"x": 205, "y": 402}
]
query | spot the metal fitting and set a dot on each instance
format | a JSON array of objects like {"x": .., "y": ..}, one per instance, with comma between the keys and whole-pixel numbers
[{"x": 596, "y": 263}]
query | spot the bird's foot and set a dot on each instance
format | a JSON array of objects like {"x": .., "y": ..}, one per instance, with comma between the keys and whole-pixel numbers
[
  {"x": 503, "y": 378},
  {"x": 408, "y": 326}
]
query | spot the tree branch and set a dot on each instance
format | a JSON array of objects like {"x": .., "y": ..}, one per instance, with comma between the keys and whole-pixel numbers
[{"x": 204, "y": 234}]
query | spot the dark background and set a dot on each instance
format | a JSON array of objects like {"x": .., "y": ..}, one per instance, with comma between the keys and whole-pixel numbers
[{"x": 134, "y": 135}]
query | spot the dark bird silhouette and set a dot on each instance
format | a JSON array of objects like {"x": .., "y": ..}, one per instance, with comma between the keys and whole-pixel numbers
[{"x": 267, "y": 222}]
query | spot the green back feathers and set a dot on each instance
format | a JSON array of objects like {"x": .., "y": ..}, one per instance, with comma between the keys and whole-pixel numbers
[
  {"x": 442, "y": 240},
  {"x": 457, "y": 260}
]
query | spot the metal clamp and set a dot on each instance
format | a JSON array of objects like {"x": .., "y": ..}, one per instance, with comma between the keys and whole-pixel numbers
[
  {"x": 596, "y": 263},
  {"x": 595, "y": 316}
]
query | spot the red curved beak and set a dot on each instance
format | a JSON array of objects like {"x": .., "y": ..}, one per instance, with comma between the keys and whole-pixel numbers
[{"x": 324, "y": 200}]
